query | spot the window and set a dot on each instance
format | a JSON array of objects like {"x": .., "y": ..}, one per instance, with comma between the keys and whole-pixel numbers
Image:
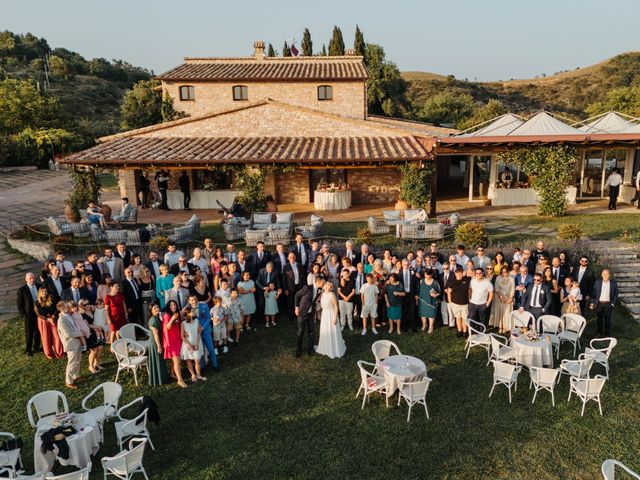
[
  {"x": 211, "y": 180},
  {"x": 325, "y": 92},
  {"x": 240, "y": 92},
  {"x": 187, "y": 92}
]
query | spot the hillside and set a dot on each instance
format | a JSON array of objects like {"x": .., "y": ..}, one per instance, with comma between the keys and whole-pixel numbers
[{"x": 568, "y": 92}]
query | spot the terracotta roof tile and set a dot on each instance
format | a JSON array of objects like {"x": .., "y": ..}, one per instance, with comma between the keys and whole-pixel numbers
[{"x": 203, "y": 150}]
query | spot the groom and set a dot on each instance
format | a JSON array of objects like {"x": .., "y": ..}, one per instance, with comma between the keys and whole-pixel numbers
[{"x": 305, "y": 309}]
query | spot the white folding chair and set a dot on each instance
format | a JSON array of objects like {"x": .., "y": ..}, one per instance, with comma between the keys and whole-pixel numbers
[
  {"x": 383, "y": 349},
  {"x": 573, "y": 327},
  {"x": 370, "y": 382},
  {"x": 130, "y": 331},
  {"x": 522, "y": 319},
  {"x": 500, "y": 350},
  {"x": 46, "y": 404},
  {"x": 128, "y": 359},
  {"x": 551, "y": 327},
  {"x": 587, "y": 389},
  {"x": 609, "y": 467},
  {"x": 505, "y": 374},
  {"x": 128, "y": 428},
  {"x": 82, "y": 474},
  {"x": 577, "y": 368},
  {"x": 111, "y": 393},
  {"x": 600, "y": 349},
  {"x": 477, "y": 337},
  {"x": 414, "y": 392},
  {"x": 543, "y": 379},
  {"x": 127, "y": 462},
  {"x": 10, "y": 459}
]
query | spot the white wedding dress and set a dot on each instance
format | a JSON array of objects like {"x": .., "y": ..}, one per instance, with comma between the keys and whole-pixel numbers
[{"x": 330, "y": 342}]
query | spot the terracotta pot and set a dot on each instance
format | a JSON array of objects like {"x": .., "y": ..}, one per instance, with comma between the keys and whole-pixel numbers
[
  {"x": 271, "y": 206},
  {"x": 106, "y": 211},
  {"x": 71, "y": 214},
  {"x": 401, "y": 205}
]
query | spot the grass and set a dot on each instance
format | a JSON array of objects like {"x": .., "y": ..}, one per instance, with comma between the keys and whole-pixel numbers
[
  {"x": 270, "y": 415},
  {"x": 594, "y": 226},
  {"x": 108, "y": 181}
]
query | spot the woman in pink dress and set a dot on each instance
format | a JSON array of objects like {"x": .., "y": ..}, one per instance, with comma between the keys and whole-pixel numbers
[
  {"x": 172, "y": 340},
  {"x": 116, "y": 311}
]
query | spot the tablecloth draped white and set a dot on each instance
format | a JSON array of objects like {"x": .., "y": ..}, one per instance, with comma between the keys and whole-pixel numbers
[
  {"x": 536, "y": 353},
  {"x": 82, "y": 445},
  {"x": 340, "y": 200},
  {"x": 401, "y": 368},
  {"x": 523, "y": 196}
]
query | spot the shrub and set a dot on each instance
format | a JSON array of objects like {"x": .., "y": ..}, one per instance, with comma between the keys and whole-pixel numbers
[
  {"x": 63, "y": 243},
  {"x": 159, "y": 243},
  {"x": 570, "y": 231},
  {"x": 363, "y": 235},
  {"x": 471, "y": 234},
  {"x": 415, "y": 187}
]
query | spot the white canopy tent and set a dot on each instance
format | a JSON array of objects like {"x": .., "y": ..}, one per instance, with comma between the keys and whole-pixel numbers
[
  {"x": 501, "y": 125},
  {"x": 609, "y": 122}
]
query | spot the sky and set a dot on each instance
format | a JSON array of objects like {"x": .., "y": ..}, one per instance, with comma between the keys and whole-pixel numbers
[{"x": 474, "y": 39}]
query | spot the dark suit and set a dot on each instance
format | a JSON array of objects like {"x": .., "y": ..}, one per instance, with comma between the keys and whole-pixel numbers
[
  {"x": 67, "y": 295},
  {"x": 305, "y": 301},
  {"x": 604, "y": 309},
  {"x": 586, "y": 285},
  {"x": 290, "y": 286},
  {"x": 175, "y": 269},
  {"x": 24, "y": 302},
  {"x": 133, "y": 304},
  {"x": 526, "y": 281},
  {"x": 152, "y": 270},
  {"x": 279, "y": 262},
  {"x": 354, "y": 257},
  {"x": 297, "y": 250},
  {"x": 258, "y": 264},
  {"x": 544, "y": 300},
  {"x": 409, "y": 300},
  {"x": 126, "y": 258},
  {"x": 246, "y": 267},
  {"x": 94, "y": 270},
  {"x": 560, "y": 275},
  {"x": 55, "y": 296}
]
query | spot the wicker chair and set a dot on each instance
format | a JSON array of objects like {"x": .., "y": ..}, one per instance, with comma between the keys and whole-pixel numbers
[
  {"x": 423, "y": 231},
  {"x": 182, "y": 234},
  {"x": 312, "y": 228},
  {"x": 234, "y": 231},
  {"x": 116, "y": 236},
  {"x": 376, "y": 226},
  {"x": 277, "y": 236},
  {"x": 450, "y": 221},
  {"x": 252, "y": 237}
]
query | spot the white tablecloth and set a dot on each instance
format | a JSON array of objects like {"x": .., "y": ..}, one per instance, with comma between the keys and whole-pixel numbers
[
  {"x": 523, "y": 196},
  {"x": 340, "y": 200},
  {"x": 536, "y": 353},
  {"x": 82, "y": 445},
  {"x": 401, "y": 368}
]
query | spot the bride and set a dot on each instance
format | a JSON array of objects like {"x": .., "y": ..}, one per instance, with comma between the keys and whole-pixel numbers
[{"x": 330, "y": 343}]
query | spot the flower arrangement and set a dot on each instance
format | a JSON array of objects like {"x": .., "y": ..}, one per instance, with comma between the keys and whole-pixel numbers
[{"x": 333, "y": 187}]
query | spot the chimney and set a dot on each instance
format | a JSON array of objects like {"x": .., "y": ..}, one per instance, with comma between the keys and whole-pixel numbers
[
  {"x": 350, "y": 52},
  {"x": 258, "y": 50}
]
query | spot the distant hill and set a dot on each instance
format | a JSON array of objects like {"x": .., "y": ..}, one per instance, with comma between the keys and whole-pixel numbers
[{"x": 568, "y": 92}]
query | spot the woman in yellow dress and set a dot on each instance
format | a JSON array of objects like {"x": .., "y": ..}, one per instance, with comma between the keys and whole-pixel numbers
[{"x": 502, "y": 306}]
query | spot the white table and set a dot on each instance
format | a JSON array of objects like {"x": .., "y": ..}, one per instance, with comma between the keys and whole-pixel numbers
[
  {"x": 338, "y": 200},
  {"x": 523, "y": 196},
  {"x": 401, "y": 368},
  {"x": 82, "y": 445},
  {"x": 202, "y": 198},
  {"x": 537, "y": 353}
]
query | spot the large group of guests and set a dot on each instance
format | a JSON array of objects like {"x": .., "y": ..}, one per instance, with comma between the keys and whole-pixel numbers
[{"x": 199, "y": 305}]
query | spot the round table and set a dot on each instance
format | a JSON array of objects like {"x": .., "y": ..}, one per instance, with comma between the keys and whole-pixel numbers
[
  {"x": 532, "y": 353},
  {"x": 401, "y": 368},
  {"x": 338, "y": 200},
  {"x": 84, "y": 443}
]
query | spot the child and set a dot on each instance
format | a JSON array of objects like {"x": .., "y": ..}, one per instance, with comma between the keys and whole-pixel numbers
[
  {"x": 100, "y": 318},
  {"x": 191, "y": 351},
  {"x": 234, "y": 316},
  {"x": 81, "y": 325},
  {"x": 271, "y": 305},
  {"x": 571, "y": 301},
  {"x": 218, "y": 315},
  {"x": 517, "y": 254},
  {"x": 369, "y": 295}
]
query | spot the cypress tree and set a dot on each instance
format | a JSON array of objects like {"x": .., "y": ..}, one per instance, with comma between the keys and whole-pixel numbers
[
  {"x": 336, "y": 44},
  {"x": 307, "y": 44},
  {"x": 324, "y": 50},
  {"x": 271, "y": 51},
  {"x": 286, "y": 51},
  {"x": 358, "y": 44}
]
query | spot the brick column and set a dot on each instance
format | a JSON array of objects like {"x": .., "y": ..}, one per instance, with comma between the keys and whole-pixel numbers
[{"x": 127, "y": 184}]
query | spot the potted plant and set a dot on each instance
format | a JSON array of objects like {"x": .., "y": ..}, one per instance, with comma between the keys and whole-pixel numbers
[{"x": 415, "y": 186}]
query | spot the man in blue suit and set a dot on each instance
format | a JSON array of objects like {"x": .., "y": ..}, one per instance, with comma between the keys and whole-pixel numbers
[
  {"x": 523, "y": 281},
  {"x": 603, "y": 299}
]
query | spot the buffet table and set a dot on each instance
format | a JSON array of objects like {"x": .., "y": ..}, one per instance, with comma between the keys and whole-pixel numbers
[
  {"x": 338, "y": 200},
  {"x": 202, "y": 198},
  {"x": 523, "y": 196}
]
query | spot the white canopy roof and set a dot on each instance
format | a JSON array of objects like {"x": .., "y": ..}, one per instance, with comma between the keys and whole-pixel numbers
[
  {"x": 500, "y": 126},
  {"x": 544, "y": 124},
  {"x": 610, "y": 122},
  {"x": 633, "y": 129}
]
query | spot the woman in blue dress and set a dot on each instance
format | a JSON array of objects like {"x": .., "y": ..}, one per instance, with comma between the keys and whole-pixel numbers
[
  {"x": 393, "y": 296},
  {"x": 428, "y": 294},
  {"x": 163, "y": 283},
  {"x": 246, "y": 288},
  {"x": 95, "y": 215}
]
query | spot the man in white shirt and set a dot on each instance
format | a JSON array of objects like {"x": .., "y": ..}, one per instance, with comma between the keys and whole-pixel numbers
[
  {"x": 369, "y": 296},
  {"x": 173, "y": 254},
  {"x": 613, "y": 182},
  {"x": 65, "y": 266},
  {"x": 461, "y": 258},
  {"x": 360, "y": 279},
  {"x": 481, "y": 260},
  {"x": 480, "y": 297}
]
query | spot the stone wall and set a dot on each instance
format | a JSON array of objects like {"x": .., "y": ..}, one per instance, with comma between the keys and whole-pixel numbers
[
  {"x": 374, "y": 185},
  {"x": 39, "y": 250},
  {"x": 349, "y": 98},
  {"x": 292, "y": 187}
]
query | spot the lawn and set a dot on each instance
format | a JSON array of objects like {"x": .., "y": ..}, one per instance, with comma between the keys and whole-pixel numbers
[
  {"x": 595, "y": 226},
  {"x": 270, "y": 415}
]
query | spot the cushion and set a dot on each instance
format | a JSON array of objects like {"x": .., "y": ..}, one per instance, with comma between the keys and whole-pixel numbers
[
  {"x": 391, "y": 214},
  {"x": 54, "y": 226},
  {"x": 233, "y": 221},
  {"x": 194, "y": 219},
  {"x": 261, "y": 226},
  {"x": 316, "y": 220},
  {"x": 284, "y": 217},
  {"x": 262, "y": 218}
]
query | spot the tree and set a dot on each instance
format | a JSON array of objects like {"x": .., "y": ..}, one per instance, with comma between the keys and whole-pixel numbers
[
  {"x": 271, "y": 52},
  {"x": 324, "y": 50},
  {"x": 286, "y": 51},
  {"x": 336, "y": 44},
  {"x": 168, "y": 112},
  {"x": 492, "y": 109},
  {"x": 307, "y": 44},
  {"x": 142, "y": 106},
  {"x": 7, "y": 42},
  {"x": 624, "y": 100},
  {"x": 359, "y": 47},
  {"x": 385, "y": 88},
  {"x": 22, "y": 106},
  {"x": 58, "y": 66},
  {"x": 447, "y": 108}
]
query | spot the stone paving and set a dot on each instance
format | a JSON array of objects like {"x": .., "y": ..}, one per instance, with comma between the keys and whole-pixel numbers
[{"x": 13, "y": 267}]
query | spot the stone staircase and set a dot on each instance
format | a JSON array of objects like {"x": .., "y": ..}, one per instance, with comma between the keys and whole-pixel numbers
[
  {"x": 13, "y": 267},
  {"x": 624, "y": 263}
]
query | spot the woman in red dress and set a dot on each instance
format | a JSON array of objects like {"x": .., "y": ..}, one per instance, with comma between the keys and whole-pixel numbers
[
  {"x": 116, "y": 311},
  {"x": 172, "y": 340}
]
